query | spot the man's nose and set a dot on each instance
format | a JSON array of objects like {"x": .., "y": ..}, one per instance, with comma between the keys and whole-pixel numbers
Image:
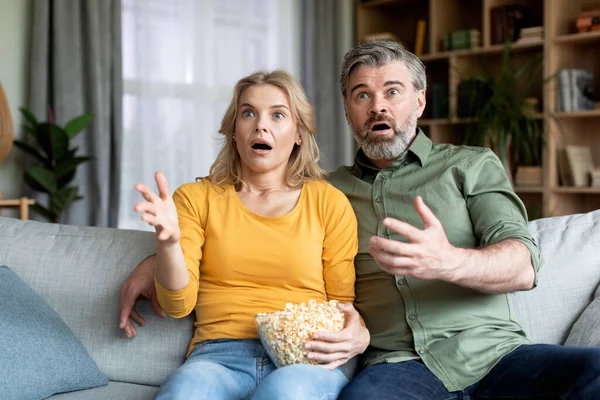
[{"x": 378, "y": 106}]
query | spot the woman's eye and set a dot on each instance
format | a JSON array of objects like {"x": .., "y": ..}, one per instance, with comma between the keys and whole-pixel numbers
[
  {"x": 248, "y": 113},
  {"x": 278, "y": 115}
]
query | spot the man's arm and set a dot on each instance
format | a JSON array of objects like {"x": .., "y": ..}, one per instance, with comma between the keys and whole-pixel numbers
[
  {"x": 501, "y": 267},
  {"x": 139, "y": 283}
]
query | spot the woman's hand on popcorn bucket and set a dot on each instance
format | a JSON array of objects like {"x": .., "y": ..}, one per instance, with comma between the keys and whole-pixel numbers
[{"x": 333, "y": 349}]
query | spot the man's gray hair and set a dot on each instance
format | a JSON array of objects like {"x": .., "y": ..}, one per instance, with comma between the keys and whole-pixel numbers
[{"x": 377, "y": 53}]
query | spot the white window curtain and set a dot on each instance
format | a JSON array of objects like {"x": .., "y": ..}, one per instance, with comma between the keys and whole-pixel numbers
[{"x": 181, "y": 59}]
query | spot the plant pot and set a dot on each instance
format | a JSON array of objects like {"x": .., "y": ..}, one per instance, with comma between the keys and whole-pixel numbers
[{"x": 529, "y": 176}]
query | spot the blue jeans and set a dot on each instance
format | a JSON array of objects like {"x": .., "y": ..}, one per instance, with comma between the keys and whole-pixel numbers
[
  {"x": 241, "y": 369},
  {"x": 536, "y": 371}
]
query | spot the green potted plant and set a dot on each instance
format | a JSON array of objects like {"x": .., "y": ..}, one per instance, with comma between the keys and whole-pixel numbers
[
  {"x": 504, "y": 118},
  {"x": 56, "y": 161}
]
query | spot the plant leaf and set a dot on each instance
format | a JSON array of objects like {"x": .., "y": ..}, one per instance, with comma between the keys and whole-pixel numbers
[
  {"x": 68, "y": 165},
  {"x": 77, "y": 124},
  {"x": 62, "y": 199},
  {"x": 29, "y": 150},
  {"x": 44, "y": 212},
  {"x": 43, "y": 177},
  {"x": 28, "y": 115}
]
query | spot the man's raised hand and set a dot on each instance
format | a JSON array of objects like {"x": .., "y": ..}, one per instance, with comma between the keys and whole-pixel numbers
[{"x": 428, "y": 253}]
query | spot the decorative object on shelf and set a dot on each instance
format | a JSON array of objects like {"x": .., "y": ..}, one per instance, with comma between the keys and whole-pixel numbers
[
  {"x": 57, "y": 161},
  {"x": 6, "y": 126},
  {"x": 588, "y": 19},
  {"x": 575, "y": 90},
  {"x": 502, "y": 120}
]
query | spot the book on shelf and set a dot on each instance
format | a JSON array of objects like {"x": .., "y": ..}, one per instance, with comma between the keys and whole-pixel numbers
[
  {"x": 506, "y": 22},
  {"x": 595, "y": 177},
  {"x": 575, "y": 164},
  {"x": 462, "y": 40},
  {"x": 575, "y": 90},
  {"x": 420, "y": 37},
  {"x": 532, "y": 34}
]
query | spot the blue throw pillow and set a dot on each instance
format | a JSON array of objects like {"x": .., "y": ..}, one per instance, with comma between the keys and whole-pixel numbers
[{"x": 39, "y": 355}]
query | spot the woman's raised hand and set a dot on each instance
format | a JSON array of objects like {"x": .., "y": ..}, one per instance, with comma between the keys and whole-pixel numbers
[{"x": 159, "y": 211}]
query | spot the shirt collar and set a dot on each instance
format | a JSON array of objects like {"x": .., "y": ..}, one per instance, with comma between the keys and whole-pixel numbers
[{"x": 420, "y": 147}]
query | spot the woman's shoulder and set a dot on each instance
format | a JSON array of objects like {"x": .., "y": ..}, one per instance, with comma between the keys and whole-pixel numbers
[
  {"x": 201, "y": 187},
  {"x": 321, "y": 188}
]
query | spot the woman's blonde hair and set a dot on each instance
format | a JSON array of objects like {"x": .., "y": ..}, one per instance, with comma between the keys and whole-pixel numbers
[{"x": 303, "y": 162}]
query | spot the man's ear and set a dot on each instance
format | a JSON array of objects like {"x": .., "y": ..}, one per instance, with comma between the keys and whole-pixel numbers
[
  {"x": 346, "y": 110},
  {"x": 420, "y": 102}
]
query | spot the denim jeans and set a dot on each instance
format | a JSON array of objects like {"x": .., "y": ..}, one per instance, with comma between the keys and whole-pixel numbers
[
  {"x": 241, "y": 369},
  {"x": 536, "y": 371}
]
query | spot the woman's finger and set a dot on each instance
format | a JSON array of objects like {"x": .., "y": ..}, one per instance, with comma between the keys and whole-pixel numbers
[
  {"x": 144, "y": 206},
  {"x": 145, "y": 191}
]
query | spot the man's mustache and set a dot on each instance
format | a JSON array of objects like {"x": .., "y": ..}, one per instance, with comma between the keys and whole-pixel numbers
[{"x": 378, "y": 119}]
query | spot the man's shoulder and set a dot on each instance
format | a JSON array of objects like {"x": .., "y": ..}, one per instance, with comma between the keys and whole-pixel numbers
[
  {"x": 341, "y": 177},
  {"x": 462, "y": 151}
]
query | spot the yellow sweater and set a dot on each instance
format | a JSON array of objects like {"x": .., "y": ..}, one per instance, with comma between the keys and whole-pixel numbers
[{"x": 241, "y": 263}]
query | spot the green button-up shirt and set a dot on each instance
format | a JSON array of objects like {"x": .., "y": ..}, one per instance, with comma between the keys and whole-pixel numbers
[{"x": 459, "y": 333}]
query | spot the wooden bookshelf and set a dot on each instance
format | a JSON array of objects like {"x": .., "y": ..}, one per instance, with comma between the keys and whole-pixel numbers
[{"x": 562, "y": 47}]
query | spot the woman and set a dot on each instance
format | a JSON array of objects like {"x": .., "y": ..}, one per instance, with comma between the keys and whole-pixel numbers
[{"x": 263, "y": 229}]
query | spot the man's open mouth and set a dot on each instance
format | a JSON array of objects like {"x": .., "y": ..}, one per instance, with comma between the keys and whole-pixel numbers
[{"x": 380, "y": 127}]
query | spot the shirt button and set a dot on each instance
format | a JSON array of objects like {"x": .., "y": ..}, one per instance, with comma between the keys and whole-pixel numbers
[
  {"x": 378, "y": 200},
  {"x": 412, "y": 317},
  {"x": 401, "y": 282},
  {"x": 422, "y": 351}
]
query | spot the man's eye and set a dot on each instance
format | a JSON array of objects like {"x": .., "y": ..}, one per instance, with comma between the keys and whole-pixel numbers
[
  {"x": 393, "y": 91},
  {"x": 278, "y": 115},
  {"x": 363, "y": 96},
  {"x": 248, "y": 113}
]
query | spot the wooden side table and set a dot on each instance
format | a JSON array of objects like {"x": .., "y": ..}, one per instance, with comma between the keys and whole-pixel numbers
[{"x": 23, "y": 204}]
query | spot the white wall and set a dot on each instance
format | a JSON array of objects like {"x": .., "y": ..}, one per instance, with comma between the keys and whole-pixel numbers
[{"x": 14, "y": 59}]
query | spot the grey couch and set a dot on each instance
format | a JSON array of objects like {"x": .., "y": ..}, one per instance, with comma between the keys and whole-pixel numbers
[{"x": 79, "y": 270}]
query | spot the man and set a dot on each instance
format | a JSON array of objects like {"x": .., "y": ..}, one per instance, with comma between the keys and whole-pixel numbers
[{"x": 443, "y": 239}]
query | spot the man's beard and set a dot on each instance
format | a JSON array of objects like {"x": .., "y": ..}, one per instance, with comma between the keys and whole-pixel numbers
[{"x": 386, "y": 148}]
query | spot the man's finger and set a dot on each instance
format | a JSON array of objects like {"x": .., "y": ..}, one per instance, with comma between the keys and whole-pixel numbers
[
  {"x": 427, "y": 216},
  {"x": 390, "y": 260},
  {"x": 162, "y": 185},
  {"x": 393, "y": 246},
  {"x": 402, "y": 228}
]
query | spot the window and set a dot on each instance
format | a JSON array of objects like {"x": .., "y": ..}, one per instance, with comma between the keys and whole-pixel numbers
[{"x": 181, "y": 59}]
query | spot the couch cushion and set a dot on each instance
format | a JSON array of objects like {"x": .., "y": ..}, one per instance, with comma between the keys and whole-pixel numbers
[
  {"x": 39, "y": 355},
  {"x": 114, "y": 390},
  {"x": 79, "y": 271},
  {"x": 586, "y": 331},
  {"x": 567, "y": 279}
]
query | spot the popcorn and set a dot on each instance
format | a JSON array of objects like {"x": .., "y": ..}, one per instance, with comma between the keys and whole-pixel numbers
[{"x": 284, "y": 333}]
